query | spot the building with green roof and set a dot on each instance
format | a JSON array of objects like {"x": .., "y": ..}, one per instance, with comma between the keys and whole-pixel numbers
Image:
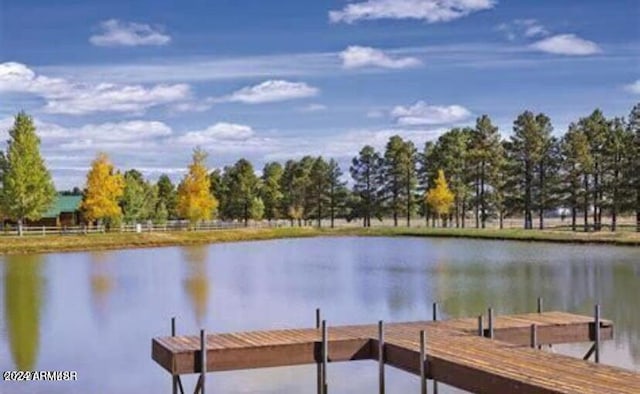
[{"x": 65, "y": 211}]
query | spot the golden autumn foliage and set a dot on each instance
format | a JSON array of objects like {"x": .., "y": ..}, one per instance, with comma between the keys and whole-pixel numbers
[
  {"x": 440, "y": 197},
  {"x": 104, "y": 189},
  {"x": 195, "y": 201}
]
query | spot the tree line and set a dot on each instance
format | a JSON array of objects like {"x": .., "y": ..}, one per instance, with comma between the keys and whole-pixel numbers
[{"x": 465, "y": 178}]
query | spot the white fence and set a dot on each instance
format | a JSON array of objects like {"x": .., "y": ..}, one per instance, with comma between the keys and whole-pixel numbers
[{"x": 147, "y": 227}]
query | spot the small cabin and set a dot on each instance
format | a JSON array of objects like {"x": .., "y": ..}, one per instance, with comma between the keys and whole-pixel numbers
[{"x": 65, "y": 211}]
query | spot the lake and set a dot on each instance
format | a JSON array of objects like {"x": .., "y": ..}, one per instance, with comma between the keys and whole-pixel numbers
[{"x": 96, "y": 312}]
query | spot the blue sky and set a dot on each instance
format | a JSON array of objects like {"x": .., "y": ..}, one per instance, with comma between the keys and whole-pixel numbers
[{"x": 147, "y": 81}]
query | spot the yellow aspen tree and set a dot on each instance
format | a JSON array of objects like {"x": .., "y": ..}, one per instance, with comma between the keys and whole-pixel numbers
[
  {"x": 103, "y": 190},
  {"x": 195, "y": 201},
  {"x": 440, "y": 197}
]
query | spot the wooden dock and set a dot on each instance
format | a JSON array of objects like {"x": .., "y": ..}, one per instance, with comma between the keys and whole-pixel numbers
[{"x": 459, "y": 352}]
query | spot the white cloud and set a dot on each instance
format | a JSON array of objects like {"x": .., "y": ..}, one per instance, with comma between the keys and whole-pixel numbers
[
  {"x": 66, "y": 97},
  {"x": 430, "y": 11},
  {"x": 358, "y": 56},
  {"x": 272, "y": 91},
  {"x": 567, "y": 44},
  {"x": 527, "y": 28},
  {"x": 119, "y": 33},
  {"x": 422, "y": 113},
  {"x": 314, "y": 107},
  {"x": 111, "y": 135},
  {"x": 633, "y": 87},
  {"x": 220, "y": 131}
]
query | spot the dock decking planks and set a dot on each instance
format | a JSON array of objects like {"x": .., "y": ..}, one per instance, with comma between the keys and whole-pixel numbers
[{"x": 456, "y": 354}]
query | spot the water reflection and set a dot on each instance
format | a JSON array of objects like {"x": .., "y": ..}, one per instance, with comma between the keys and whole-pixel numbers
[
  {"x": 23, "y": 289},
  {"x": 278, "y": 284},
  {"x": 196, "y": 283},
  {"x": 102, "y": 283}
]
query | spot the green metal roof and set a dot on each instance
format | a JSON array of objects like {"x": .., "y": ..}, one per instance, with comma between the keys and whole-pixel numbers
[{"x": 63, "y": 204}]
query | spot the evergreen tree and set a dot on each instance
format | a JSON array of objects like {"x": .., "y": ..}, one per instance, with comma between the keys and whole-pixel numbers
[
  {"x": 595, "y": 127},
  {"x": 296, "y": 189},
  {"x": 576, "y": 167},
  {"x": 616, "y": 151},
  {"x": 270, "y": 192},
  {"x": 531, "y": 151},
  {"x": 634, "y": 161},
  {"x": 167, "y": 197},
  {"x": 365, "y": 171},
  {"x": 486, "y": 153},
  {"x": 399, "y": 175},
  {"x": 338, "y": 192},
  {"x": 27, "y": 188},
  {"x": 451, "y": 154},
  {"x": 320, "y": 188},
  {"x": 243, "y": 187},
  {"x": 218, "y": 187}
]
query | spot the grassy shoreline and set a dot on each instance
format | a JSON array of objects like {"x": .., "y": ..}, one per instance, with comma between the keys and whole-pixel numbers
[{"x": 73, "y": 243}]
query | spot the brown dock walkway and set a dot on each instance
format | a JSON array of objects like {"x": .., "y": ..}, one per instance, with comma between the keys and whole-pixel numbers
[{"x": 455, "y": 353}]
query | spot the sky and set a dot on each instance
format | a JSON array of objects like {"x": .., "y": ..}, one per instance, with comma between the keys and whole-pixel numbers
[{"x": 148, "y": 81}]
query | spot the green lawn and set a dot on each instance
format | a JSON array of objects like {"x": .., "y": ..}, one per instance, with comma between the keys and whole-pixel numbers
[{"x": 56, "y": 243}]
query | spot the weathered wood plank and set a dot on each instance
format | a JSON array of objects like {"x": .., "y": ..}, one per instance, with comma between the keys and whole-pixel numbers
[{"x": 456, "y": 354}]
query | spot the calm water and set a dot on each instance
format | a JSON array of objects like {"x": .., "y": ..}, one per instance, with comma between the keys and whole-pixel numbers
[{"x": 96, "y": 312}]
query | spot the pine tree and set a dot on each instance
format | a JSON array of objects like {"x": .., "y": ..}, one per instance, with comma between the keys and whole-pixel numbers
[
  {"x": 365, "y": 171},
  {"x": 393, "y": 173},
  {"x": 634, "y": 155},
  {"x": 338, "y": 192},
  {"x": 320, "y": 188},
  {"x": 27, "y": 188},
  {"x": 103, "y": 190},
  {"x": 195, "y": 201},
  {"x": 270, "y": 192},
  {"x": 485, "y": 154},
  {"x": 242, "y": 187},
  {"x": 167, "y": 196},
  {"x": 576, "y": 167}
]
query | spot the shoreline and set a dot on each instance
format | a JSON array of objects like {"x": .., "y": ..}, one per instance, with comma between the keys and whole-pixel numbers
[{"x": 114, "y": 241}]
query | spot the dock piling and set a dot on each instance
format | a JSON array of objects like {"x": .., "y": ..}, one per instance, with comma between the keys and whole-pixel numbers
[
  {"x": 319, "y": 363},
  {"x": 423, "y": 361},
  {"x": 540, "y": 303},
  {"x": 203, "y": 360},
  {"x": 480, "y": 326},
  {"x": 381, "y": 356},
  {"x": 597, "y": 332},
  {"x": 435, "y": 318},
  {"x": 325, "y": 356},
  {"x": 490, "y": 313},
  {"x": 534, "y": 336}
]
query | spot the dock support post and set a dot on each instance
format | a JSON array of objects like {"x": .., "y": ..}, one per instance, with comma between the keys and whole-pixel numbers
[
  {"x": 540, "y": 301},
  {"x": 534, "y": 336},
  {"x": 175, "y": 379},
  {"x": 435, "y": 318},
  {"x": 325, "y": 356},
  {"x": 381, "y": 356},
  {"x": 319, "y": 364},
  {"x": 490, "y": 312},
  {"x": 203, "y": 360},
  {"x": 597, "y": 332},
  {"x": 480, "y": 326},
  {"x": 423, "y": 362}
]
